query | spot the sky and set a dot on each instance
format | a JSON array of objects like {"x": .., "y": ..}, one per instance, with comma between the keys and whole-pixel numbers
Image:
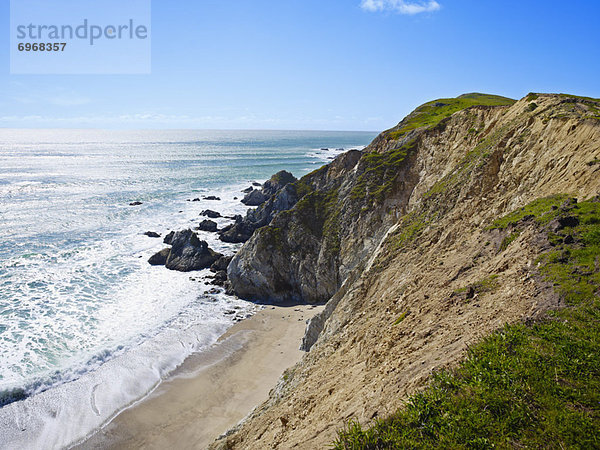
[{"x": 316, "y": 64}]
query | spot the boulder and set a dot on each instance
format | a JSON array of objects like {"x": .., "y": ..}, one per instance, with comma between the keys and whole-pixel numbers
[
  {"x": 238, "y": 232},
  {"x": 563, "y": 222},
  {"x": 152, "y": 234},
  {"x": 160, "y": 258},
  {"x": 135, "y": 204},
  {"x": 248, "y": 189},
  {"x": 228, "y": 288},
  {"x": 219, "y": 278},
  {"x": 210, "y": 214},
  {"x": 168, "y": 238},
  {"x": 254, "y": 198},
  {"x": 190, "y": 253},
  {"x": 221, "y": 264},
  {"x": 208, "y": 225},
  {"x": 211, "y": 197}
]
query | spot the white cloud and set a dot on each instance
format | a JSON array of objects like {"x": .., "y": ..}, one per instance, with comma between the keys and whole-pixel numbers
[{"x": 400, "y": 6}]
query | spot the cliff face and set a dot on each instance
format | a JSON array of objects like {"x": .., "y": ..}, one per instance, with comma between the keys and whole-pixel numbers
[
  {"x": 398, "y": 237},
  {"x": 345, "y": 208}
]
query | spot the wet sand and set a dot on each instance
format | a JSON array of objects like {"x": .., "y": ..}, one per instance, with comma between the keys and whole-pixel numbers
[{"x": 213, "y": 390}]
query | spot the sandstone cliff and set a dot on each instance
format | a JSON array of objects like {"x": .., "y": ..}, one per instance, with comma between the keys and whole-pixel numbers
[{"x": 395, "y": 238}]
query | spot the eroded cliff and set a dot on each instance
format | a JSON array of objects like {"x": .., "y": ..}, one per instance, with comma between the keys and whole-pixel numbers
[{"x": 399, "y": 239}]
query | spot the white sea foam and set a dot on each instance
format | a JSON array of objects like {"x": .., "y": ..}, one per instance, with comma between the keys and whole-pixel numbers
[
  {"x": 325, "y": 155},
  {"x": 87, "y": 326},
  {"x": 60, "y": 416}
]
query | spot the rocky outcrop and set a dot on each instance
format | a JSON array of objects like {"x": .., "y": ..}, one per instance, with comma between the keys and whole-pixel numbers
[
  {"x": 190, "y": 253},
  {"x": 254, "y": 198},
  {"x": 240, "y": 231},
  {"x": 276, "y": 182},
  {"x": 160, "y": 258},
  {"x": 210, "y": 214},
  {"x": 282, "y": 200},
  {"x": 168, "y": 239},
  {"x": 283, "y": 195},
  {"x": 221, "y": 264},
  {"x": 208, "y": 225},
  {"x": 300, "y": 255},
  {"x": 187, "y": 253}
]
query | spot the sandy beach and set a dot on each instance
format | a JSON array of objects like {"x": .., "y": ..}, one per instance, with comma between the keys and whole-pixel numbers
[{"x": 214, "y": 390}]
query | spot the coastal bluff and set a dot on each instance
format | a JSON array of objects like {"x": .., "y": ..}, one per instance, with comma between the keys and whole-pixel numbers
[{"x": 399, "y": 241}]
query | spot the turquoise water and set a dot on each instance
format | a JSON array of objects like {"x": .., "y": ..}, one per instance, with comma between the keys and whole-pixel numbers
[{"x": 77, "y": 297}]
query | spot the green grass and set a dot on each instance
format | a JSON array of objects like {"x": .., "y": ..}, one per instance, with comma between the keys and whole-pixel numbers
[
  {"x": 593, "y": 162},
  {"x": 411, "y": 226},
  {"x": 380, "y": 173},
  {"x": 543, "y": 211},
  {"x": 304, "y": 185},
  {"x": 487, "y": 284},
  {"x": 401, "y": 318},
  {"x": 508, "y": 240},
  {"x": 319, "y": 213},
  {"x": 532, "y": 96},
  {"x": 432, "y": 113},
  {"x": 525, "y": 386},
  {"x": 579, "y": 97}
]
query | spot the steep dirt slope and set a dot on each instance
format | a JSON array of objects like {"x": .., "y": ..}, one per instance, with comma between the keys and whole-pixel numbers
[{"x": 434, "y": 278}]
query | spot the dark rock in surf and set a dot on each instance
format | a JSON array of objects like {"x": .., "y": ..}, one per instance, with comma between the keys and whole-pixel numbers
[
  {"x": 208, "y": 225},
  {"x": 152, "y": 234},
  {"x": 219, "y": 278},
  {"x": 190, "y": 253},
  {"x": 210, "y": 214},
  {"x": 221, "y": 264},
  {"x": 160, "y": 258},
  {"x": 168, "y": 238}
]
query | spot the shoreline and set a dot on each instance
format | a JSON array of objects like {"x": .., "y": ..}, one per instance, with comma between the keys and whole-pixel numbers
[{"x": 213, "y": 390}]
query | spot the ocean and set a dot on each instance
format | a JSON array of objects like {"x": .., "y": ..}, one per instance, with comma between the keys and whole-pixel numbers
[{"x": 87, "y": 326}]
